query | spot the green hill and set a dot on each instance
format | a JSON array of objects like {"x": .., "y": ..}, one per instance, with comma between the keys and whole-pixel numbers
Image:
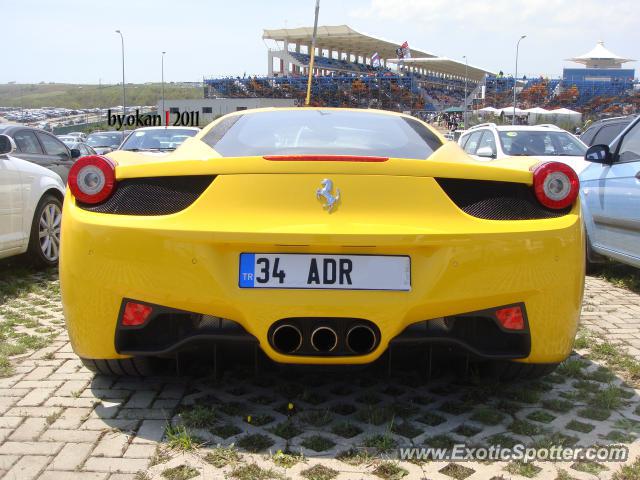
[{"x": 90, "y": 96}]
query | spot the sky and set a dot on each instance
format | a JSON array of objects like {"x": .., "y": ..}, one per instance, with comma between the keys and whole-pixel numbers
[{"x": 74, "y": 41}]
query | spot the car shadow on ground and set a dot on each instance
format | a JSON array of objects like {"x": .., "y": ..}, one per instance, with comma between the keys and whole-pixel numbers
[{"x": 365, "y": 415}]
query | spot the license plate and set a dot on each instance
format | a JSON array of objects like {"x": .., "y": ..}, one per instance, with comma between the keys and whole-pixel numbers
[{"x": 327, "y": 272}]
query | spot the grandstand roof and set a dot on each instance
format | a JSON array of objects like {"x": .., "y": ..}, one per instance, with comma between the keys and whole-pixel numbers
[
  {"x": 342, "y": 38},
  {"x": 447, "y": 66},
  {"x": 600, "y": 56}
]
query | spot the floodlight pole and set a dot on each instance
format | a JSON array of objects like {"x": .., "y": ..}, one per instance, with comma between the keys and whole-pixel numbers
[
  {"x": 163, "y": 114},
  {"x": 466, "y": 75},
  {"x": 312, "y": 54},
  {"x": 124, "y": 97},
  {"x": 515, "y": 81}
]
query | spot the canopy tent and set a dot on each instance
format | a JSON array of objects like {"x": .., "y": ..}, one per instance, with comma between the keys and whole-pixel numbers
[
  {"x": 508, "y": 111},
  {"x": 564, "y": 111},
  {"x": 454, "y": 110},
  {"x": 600, "y": 57},
  {"x": 538, "y": 111},
  {"x": 489, "y": 110},
  {"x": 446, "y": 66}
]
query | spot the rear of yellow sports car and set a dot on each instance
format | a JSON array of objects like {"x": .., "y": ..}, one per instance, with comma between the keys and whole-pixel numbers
[{"x": 319, "y": 258}]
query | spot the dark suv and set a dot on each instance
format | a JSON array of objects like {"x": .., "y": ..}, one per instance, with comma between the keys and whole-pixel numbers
[
  {"x": 605, "y": 130},
  {"x": 42, "y": 148}
]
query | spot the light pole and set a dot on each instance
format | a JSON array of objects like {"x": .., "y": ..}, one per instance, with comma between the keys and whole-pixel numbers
[
  {"x": 124, "y": 96},
  {"x": 163, "y": 114},
  {"x": 466, "y": 75},
  {"x": 515, "y": 81}
]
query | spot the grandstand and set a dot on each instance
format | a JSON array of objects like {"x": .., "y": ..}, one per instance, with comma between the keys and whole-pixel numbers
[
  {"x": 601, "y": 86},
  {"x": 345, "y": 74}
]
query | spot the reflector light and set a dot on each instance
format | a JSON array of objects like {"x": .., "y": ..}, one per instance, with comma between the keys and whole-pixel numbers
[
  {"x": 135, "y": 314},
  {"x": 324, "y": 158},
  {"x": 555, "y": 184},
  {"x": 511, "y": 318},
  {"x": 92, "y": 178}
]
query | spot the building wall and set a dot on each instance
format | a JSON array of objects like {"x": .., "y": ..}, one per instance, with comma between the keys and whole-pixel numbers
[
  {"x": 597, "y": 74},
  {"x": 211, "y": 108}
]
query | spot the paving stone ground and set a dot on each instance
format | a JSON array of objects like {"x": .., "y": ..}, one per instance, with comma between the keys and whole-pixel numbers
[{"x": 60, "y": 422}]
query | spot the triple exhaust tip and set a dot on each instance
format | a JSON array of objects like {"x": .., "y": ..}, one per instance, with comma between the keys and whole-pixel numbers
[{"x": 360, "y": 339}]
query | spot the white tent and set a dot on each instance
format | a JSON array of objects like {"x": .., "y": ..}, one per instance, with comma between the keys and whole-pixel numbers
[
  {"x": 508, "y": 111},
  {"x": 564, "y": 111},
  {"x": 489, "y": 111},
  {"x": 538, "y": 111}
]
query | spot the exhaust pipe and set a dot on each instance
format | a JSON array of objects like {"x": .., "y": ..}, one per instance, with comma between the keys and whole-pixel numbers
[
  {"x": 287, "y": 338},
  {"x": 324, "y": 339},
  {"x": 361, "y": 339}
]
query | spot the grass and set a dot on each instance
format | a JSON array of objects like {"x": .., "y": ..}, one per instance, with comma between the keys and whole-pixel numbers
[
  {"x": 199, "y": 416},
  {"x": 457, "y": 471},
  {"x": 50, "y": 419},
  {"x": 588, "y": 466},
  {"x": 287, "y": 459},
  {"x": 179, "y": 438},
  {"x": 390, "y": 471},
  {"x": 608, "y": 399},
  {"x": 253, "y": 472},
  {"x": 318, "y": 443},
  {"x": 225, "y": 430},
  {"x": 406, "y": 429},
  {"x": 319, "y": 472},
  {"x": 66, "y": 95},
  {"x": 541, "y": 416},
  {"x": 375, "y": 415},
  {"x": 431, "y": 419},
  {"x": 523, "y": 427},
  {"x": 255, "y": 442},
  {"x": 620, "y": 275},
  {"x": 317, "y": 418},
  {"x": 594, "y": 413},
  {"x": 628, "y": 472},
  {"x": 571, "y": 368},
  {"x": 355, "y": 457},
  {"x": 346, "y": 430},
  {"x": 440, "y": 441},
  {"x": 487, "y": 416},
  {"x": 287, "y": 430},
  {"x": 259, "y": 420},
  {"x": 343, "y": 409},
  {"x": 578, "y": 426},
  {"x": 525, "y": 469},
  {"x": 181, "y": 472},
  {"x": 558, "y": 405},
  {"x": 221, "y": 456}
]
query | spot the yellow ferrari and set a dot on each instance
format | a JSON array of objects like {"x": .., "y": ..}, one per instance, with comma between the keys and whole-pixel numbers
[{"x": 321, "y": 236}]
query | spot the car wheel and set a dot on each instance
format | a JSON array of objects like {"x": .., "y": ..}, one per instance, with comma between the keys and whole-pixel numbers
[
  {"x": 125, "y": 367},
  {"x": 44, "y": 239},
  {"x": 506, "y": 371}
]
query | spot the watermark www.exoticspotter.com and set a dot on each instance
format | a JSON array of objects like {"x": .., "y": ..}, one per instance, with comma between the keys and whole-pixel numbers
[{"x": 519, "y": 452}]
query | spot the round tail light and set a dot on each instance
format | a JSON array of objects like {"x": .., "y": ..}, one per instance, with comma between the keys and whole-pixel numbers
[
  {"x": 555, "y": 184},
  {"x": 92, "y": 178}
]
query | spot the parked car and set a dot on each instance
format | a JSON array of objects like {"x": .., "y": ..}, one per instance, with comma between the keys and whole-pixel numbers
[
  {"x": 489, "y": 141},
  {"x": 30, "y": 208},
  {"x": 610, "y": 197},
  {"x": 105, "y": 142},
  {"x": 321, "y": 236},
  {"x": 42, "y": 148},
  {"x": 604, "y": 131},
  {"x": 76, "y": 143},
  {"x": 81, "y": 135},
  {"x": 157, "y": 139}
]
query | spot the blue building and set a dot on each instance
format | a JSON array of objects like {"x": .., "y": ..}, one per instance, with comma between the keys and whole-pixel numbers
[{"x": 602, "y": 73}]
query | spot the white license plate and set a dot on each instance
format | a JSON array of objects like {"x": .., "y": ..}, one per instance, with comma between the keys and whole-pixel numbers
[{"x": 310, "y": 271}]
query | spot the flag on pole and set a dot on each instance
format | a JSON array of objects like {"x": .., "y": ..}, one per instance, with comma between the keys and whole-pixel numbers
[
  {"x": 406, "y": 53},
  {"x": 375, "y": 60}
]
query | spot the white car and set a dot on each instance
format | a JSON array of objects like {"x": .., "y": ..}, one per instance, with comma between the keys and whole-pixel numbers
[
  {"x": 489, "y": 141},
  {"x": 30, "y": 208}
]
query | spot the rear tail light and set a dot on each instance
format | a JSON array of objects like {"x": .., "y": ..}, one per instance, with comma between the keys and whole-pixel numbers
[
  {"x": 92, "y": 178},
  {"x": 135, "y": 314},
  {"x": 555, "y": 184},
  {"x": 511, "y": 318}
]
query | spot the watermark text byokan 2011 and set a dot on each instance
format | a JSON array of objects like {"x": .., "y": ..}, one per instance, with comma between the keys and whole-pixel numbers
[{"x": 138, "y": 120}]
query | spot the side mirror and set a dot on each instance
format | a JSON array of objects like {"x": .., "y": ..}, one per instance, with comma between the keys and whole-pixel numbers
[
  {"x": 599, "y": 154},
  {"x": 7, "y": 145},
  {"x": 75, "y": 153},
  {"x": 485, "y": 152}
]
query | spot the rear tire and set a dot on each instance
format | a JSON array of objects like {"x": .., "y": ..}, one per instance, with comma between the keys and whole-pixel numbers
[
  {"x": 44, "y": 239},
  {"x": 124, "y": 367},
  {"x": 506, "y": 371}
]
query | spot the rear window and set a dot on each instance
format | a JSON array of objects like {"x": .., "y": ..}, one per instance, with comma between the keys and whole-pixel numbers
[{"x": 327, "y": 132}]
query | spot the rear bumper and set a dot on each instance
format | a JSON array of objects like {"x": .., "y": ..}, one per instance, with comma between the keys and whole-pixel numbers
[{"x": 189, "y": 261}]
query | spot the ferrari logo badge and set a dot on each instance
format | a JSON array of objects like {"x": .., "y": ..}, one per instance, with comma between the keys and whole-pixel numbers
[{"x": 326, "y": 193}]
